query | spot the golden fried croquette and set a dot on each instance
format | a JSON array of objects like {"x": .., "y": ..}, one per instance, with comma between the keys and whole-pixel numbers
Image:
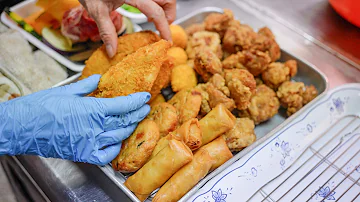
[
  {"x": 243, "y": 75},
  {"x": 192, "y": 29},
  {"x": 99, "y": 62},
  {"x": 136, "y": 149},
  {"x": 158, "y": 99},
  {"x": 205, "y": 106},
  {"x": 238, "y": 37},
  {"x": 217, "y": 97},
  {"x": 179, "y": 36},
  {"x": 187, "y": 103},
  {"x": 263, "y": 105},
  {"x": 163, "y": 78},
  {"x": 241, "y": 135},
  {"x": 277, "y": 73},
  {"x": 182, "y": 77},
  {"x": 190, "y": 63},
  {"x": 206, "y": 63},
  {"x": 206, "y": 39},
  {"x": 135, "y": 73},
  {"x": 309, "y": 94},
  {"x": 178, "y": 54},
  {"x": 265, "y": 42},
  {"x": 165, "y": 116},
  {"x": 290, "y": 96},
  {"x": 219, "y": 22}
]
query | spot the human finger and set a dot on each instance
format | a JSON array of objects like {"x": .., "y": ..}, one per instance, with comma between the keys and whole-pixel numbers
[
  {"x": 169, "y": 7},
  {"x": 124, "y": 104},
  {"x": 155, "y": 14},
  {"x": 115, "y": 122},
  {"x": 115, "y": 136},
  {"x": 105, "y": 156}
]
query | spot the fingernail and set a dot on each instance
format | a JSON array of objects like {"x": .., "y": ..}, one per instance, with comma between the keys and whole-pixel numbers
[
  {"x": 110, "y": 50},
  {"x": 147, "y": 97}
]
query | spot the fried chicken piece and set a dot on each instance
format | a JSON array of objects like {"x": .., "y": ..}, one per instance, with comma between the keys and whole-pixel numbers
[
  {"x": 99, "y": 62},
  {"x": 265, "y": 42},
  {"x": 219, "y": 83},
  {"x": 238, "y": 37},
  {"x": 254, "y": 61},
  {"x": 263, "y": 105},
  {"x": 241, "y": 135},
  {"x": 165, "y": 116},
  {"x": 290, "y": 96},
  {"x": 206, "y": 63},
  {"x": 192, "y": 29},
  {"x": 277, "y": 73},
  {"x": 163, "y": 78},
  {"x": 178, "y": 36},
  {"x": 219, "y": 22},
  {"x": 240, "y": 93},
  {"x": 309, "y": 94},
  {"x": 207, "y": 39},
  {"x": 183, "y": 77},
  {"x": 234, "y": 61},
  {"x": 187, "y": 103},
  {"x": 216, "y": 97},
  {"x": 243, "y": 75},
  {"x": 135, "y": 73},
  {"x": 190, "y": 63},
  {"x": 205, "y": 106}
]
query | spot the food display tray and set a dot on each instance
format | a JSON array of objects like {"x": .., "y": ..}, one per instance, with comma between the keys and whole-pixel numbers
[
  {"x": 307, "y": 74},
  {"x": 26, "y": 8}
]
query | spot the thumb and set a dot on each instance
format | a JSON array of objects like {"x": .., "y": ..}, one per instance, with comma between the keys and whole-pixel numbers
[
  {"x": 107, "y": 31},
  {"x": 82, "y": 87}
]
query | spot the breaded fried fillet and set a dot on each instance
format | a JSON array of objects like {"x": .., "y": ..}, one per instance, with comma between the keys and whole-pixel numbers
[
  {"x": 135, "y": 73},
  {"x": 99, "y": 62}
]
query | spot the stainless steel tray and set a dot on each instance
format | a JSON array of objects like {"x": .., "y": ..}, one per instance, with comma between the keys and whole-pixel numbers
[{"x": 307, "y": 73}]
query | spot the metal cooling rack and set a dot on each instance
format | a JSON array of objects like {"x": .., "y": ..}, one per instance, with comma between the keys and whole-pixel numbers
[{"x": 328, "y": 170}]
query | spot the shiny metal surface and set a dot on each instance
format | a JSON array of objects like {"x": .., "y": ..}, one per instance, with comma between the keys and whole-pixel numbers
[{"x": 66, "y": 181}]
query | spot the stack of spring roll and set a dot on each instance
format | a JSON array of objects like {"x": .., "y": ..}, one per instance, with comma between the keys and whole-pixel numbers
[{"x": 180, "y": 159}]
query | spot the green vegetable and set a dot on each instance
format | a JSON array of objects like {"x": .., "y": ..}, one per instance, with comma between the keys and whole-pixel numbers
[
  {"x": 130, "y": 8},
  {"x": 22, "y": 23},
  {"x": 56, "y": 39}
]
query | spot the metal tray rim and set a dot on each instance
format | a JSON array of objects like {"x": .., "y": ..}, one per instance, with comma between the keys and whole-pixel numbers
[{"x": 107, "y": 169}]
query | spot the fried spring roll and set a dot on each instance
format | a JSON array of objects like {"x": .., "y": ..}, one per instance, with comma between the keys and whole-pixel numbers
[
  {"x": 219, "y": 151},
  {"x": 186, "y": 178},
  {"x": 218, "y": 121},
  {"x": 159, "y": 169},
  {"x": 189, "y": 133},
  {"x": 161, "y": 144}
]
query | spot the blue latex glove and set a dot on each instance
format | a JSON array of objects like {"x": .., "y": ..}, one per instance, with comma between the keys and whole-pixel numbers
[{"x": 61, "y": 123}]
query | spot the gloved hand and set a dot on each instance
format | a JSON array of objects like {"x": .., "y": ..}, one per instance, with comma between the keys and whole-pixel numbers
[{"x": 61, "y": 123}]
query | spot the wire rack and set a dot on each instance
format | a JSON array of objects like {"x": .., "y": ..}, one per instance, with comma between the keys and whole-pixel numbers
[{"x": 328, "y": 170}]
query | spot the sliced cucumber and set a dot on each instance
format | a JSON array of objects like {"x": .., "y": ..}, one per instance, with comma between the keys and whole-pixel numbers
[
  {"x": 129, "y": 25},
  {"x": 82, "y": 56},
  {"x": 56, "y": 39}
]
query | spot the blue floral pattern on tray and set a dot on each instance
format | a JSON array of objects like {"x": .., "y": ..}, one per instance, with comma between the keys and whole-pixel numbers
[{"x": 283, "y": 147}]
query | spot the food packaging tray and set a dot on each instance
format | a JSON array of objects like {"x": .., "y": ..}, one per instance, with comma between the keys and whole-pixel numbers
[
  {"x": 25, "y": 9},
  {"x": 307, "y": 73}
]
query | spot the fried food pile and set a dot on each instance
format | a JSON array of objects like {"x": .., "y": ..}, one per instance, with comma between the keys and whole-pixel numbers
[{"x": 225, "y": 79}]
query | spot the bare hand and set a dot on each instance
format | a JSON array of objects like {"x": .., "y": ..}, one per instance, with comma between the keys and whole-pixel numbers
[{"x": 161, "y": 12}]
